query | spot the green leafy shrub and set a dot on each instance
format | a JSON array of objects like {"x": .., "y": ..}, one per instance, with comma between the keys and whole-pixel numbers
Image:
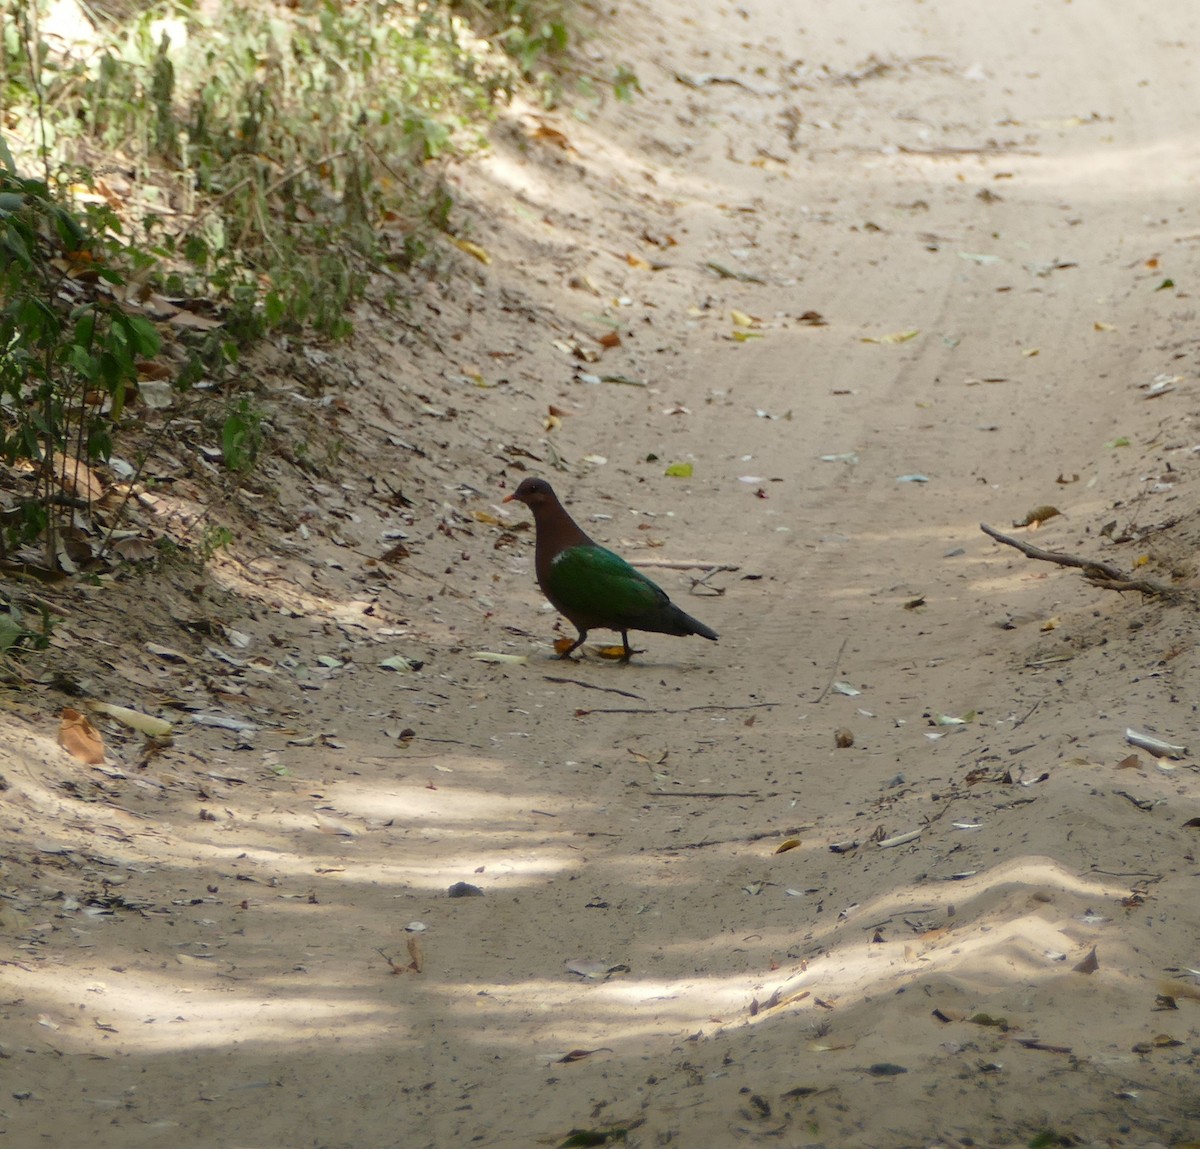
[{"x": 68, "y": 353}]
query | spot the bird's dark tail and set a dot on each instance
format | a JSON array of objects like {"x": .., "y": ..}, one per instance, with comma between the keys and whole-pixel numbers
[{"x": 689, "y": 625}]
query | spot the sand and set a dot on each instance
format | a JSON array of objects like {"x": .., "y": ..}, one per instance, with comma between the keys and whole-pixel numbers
[{"x": 879, "y": 274}]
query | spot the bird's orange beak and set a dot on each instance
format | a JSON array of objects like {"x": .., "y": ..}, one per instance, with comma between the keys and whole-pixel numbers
[{"x": 508, "y": 498}]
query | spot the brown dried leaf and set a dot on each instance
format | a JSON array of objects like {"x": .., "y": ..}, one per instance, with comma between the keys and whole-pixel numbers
[
  {"x": 472, "y": 249},
  {"x": 1000, "y": 1023},
  {"x": 193, "y": 322},
  {"x": 543, "y": 131},
  {"x": 580, "y": 1054},
  {"x": 783, "y": 847},
  {"x": 78, "y": 479},
  {"x": 1180, "y": 988},
  {"x": 1038, "y": 516},
  {"x": 416, "y": 954},
  {"x": 1090, "y": 964},
  {"x": 79, "y": 738}
]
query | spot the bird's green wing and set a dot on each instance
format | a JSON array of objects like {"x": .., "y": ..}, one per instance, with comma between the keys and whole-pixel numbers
[{"x": 598, "y": 584}]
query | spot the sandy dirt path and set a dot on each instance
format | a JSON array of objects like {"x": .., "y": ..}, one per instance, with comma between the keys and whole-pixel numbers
[{"x": 909, "y": 259}]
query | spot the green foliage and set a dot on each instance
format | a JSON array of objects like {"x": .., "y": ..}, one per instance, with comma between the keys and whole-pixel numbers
[
  {"x": 267, "y": 158},
  {"x": 273, "y": 144},
  {"x": 215, "y": 539},
  {"x": 15, "y": 635},
  {"x": 626, "y": 84},
  {"x": 241, "y": 435},
  {"x": 67, "y": 355},
  {"x": 280, "y": 152}
]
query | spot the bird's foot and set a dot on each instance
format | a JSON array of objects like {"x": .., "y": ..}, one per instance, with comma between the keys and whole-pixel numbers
[{"x": 564, "y": 648}]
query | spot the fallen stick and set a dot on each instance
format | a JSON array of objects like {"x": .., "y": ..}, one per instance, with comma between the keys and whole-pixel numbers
[
  {"x": 592, "y": 686},
  {"x": 1098, "y": 573},
  {"x": 724, "y": 841},
  {"x": 704, "y": 794},
  {"x": 684, "y": 564},
  {"x": 833, "y": 673},
  {"x": 672, "y": 710}
]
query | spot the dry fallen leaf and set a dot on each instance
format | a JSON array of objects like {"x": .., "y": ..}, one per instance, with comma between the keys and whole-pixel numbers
[
  {"x": 510, "y": 659},
  {"x": 580, "y": 1054},
  {"x": 194, "y": 322},
  {"x": 79, "y": 738},
  {"x": 893, "y": 337},
  {"x": 77, "y": 479},
  {"x": 135, "y": 719},
  {"x": 1090, "y": 964},
  {"x": 544, "y": 131},
  {"x": 1038, "y": 516},
  {"x": 790, "y": 844},
  {"x": 1179, "y": 989},
  {"x": 472, "y": 249},
  {"x": 595, "y": 969}
]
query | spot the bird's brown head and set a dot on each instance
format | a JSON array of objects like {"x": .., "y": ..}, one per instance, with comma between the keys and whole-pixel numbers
[{"x": 534, "y": 493}]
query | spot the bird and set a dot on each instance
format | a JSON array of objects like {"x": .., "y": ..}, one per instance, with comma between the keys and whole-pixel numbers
[{"x": 591, "y": 586}]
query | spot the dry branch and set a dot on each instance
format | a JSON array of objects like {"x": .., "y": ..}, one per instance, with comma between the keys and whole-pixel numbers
[
  {"x": 684, "y": 564},
  {"x": 1098, "y": 573},
  {"x": 593, "y": 686}
]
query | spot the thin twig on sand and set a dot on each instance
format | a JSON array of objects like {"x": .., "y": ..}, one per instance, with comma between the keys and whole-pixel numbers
[
  {"x": 593, "y": 686},
  {"x": 705, "y": 794},
  {"x": 739, "y": 840},
  {"x": 672, "y": 709},
  {"x": 1099, "y": 574},
  {"x": 710, "y": 569},
  {"x": 684, "y": 565},
  {"x": 833, "y": 673}
]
